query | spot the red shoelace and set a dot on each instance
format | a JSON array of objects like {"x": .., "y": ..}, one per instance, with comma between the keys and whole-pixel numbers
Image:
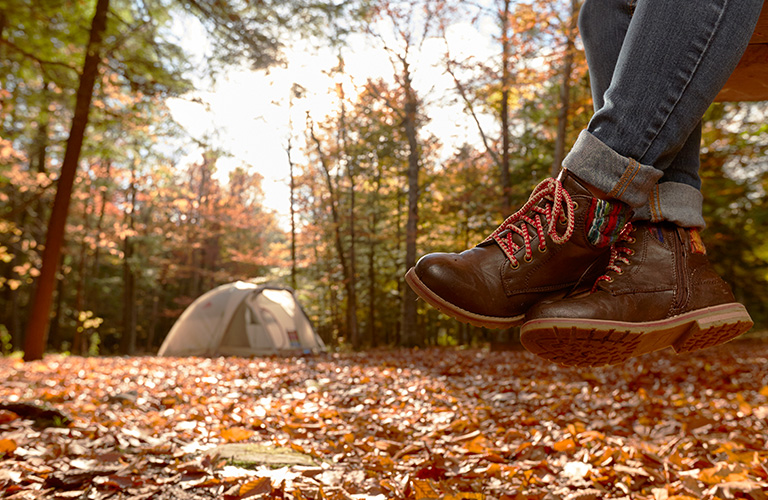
[
  {"x": 559, "y": 206},
  {"x": 619, "y": 254}
]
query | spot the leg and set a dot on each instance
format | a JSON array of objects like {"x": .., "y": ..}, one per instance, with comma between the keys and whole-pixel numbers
[
  {"x": 659, "y": 289},
  {"x": 674, "y": 59},
  {"x": 603, "y": 25}
]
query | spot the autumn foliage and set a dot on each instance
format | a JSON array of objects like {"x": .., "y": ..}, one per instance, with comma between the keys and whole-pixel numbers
[{"x": 399, "y": 424}]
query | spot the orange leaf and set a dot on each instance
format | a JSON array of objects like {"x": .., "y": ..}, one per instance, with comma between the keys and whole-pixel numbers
[
  {"x": 254, "y": 487},
  {"x": 7, "y": 416},
  {"x": 7, "y": 446},
  {"x": 565, "y": 445},
  {"x": 235, "y": 434}
]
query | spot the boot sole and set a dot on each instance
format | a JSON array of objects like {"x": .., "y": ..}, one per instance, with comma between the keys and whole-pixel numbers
[
  {"x": 589, "y": 342},
  {"x": 454, "y": 311}
]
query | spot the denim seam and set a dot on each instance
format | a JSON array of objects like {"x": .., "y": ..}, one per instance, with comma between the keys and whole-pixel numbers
[
  {"x": 675, "y": 202},
  {"x": 651, "y": 204},
  {"x": 654, "y": 203},
  {"x": 626, "y": 179}
]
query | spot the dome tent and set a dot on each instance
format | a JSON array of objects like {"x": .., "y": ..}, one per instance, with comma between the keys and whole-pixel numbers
[{"x": 242, "y": 319}]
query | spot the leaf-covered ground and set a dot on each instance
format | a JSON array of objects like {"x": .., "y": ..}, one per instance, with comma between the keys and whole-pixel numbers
[{"x": 390, "y": 424}]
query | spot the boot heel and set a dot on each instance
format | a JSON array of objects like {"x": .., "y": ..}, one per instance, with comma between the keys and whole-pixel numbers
[{"x": 716, "y": 328}]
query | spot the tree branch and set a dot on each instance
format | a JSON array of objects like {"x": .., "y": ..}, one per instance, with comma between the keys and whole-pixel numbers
[
  {"x": 42, "y": 62},
  {"x": 463, "y": 93}
]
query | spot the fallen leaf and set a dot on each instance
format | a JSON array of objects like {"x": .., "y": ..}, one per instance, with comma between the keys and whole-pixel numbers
[
  {"x": 236, "y": 434},
  {"x": 256, "y": 487},
  {"x": 7, "y": 446}
]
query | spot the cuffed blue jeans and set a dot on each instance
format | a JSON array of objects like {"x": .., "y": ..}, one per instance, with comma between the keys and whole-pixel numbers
[{"x": 655, "y": 67}]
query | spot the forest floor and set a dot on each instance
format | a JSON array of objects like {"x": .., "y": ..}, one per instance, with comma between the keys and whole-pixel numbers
[{"x": 401, "y": 424}]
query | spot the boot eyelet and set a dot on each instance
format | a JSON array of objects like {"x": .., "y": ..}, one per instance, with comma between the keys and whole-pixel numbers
[
  {"x": 632, "y": 240},
  {"x": 609, "y": 280},
  {"x": 528, "y": 259},
  {"x": 514, "y": 266},
  {"x": 575, "y": 205},
  {"x": 542, "y": 249}
]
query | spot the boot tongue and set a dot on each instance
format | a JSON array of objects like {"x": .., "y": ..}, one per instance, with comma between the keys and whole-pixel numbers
[{"x": 572, "y": 184}]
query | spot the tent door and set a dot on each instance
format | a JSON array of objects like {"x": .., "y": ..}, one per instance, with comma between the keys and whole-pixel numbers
[{"x": 258, "y": 336}]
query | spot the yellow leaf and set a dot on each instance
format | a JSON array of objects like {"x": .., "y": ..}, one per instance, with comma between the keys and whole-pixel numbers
[
  {"x": 424, "y": 489},
  {"x": 478, "y": 445},
  {"x": 464, "y": 496},
  {"x": 764, "y": 391},
  {"x": 235, "y": 434}
]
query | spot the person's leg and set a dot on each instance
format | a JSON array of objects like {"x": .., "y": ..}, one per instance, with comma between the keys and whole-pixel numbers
[
  {"x": 558, "y": 240},
  {"x": 659, "y": 289},
  {"x": 603, "y": 25},
  {"x": 675, "y": 58}
]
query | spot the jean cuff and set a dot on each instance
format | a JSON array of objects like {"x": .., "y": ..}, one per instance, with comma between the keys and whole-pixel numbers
[
  {"x": 673, "y": 202},
  {"x": 624, "y": 179}
]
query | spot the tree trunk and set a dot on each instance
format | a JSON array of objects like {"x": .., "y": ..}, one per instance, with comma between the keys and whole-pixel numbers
[
  {"x": 565, "y": 90},
  {"x": 80, "y": 293},
  {"x": 409, "y": 335},
  {"x": 128, "y": 339},
  {"x": 351, "y": 310},
  {"x": 372, "y": 235},
  {"x": 293, "y": 217},
  {"x": 58, "y": 311},
  {"x": 506, "y": 184},
  {"x": 40, "y": 317},
  {"x": 350, "y": 278},
  {"x": 92, "y": 298}
]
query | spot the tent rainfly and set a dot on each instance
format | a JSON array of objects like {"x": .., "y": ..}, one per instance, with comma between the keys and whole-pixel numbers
[{"x": 243, "y": 319}]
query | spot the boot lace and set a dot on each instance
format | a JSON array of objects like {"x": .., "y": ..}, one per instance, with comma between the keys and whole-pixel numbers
[
  {"x": 559, "y": 207},
  {"x": 620, "y": 254}
]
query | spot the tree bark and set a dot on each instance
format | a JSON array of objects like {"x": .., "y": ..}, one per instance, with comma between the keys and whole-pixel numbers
[
  {"x": 35, "y": 341},
  {"x": 293, "y": 215},
  {"x": 372, "y": 235},
  {"x": 350, "y": 279},
  {"x": 128, "y": 339},
  {"x": 409, "y": 336},
  {"x": 80, "y": 291},
  {"x": 351, "y": 312},
  {"x": 506, "y": 184}
]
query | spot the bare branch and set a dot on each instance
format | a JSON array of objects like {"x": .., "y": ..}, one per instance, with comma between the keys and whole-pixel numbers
[{"x": 470, "y": 107}]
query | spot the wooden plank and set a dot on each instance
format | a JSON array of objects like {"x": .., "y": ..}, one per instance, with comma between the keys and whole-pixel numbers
[{"x": 749, "y": 81}]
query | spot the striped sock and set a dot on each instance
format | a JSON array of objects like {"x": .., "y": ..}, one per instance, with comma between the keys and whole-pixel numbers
[{"x": 605, "y": 220}]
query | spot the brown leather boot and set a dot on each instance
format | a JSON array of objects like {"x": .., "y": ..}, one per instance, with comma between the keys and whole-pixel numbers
[
  {"x": 542, "y": 251},
  {"x": 659, "y": 291}
]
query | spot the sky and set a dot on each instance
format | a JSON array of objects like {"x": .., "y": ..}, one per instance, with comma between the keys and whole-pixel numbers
[{"x": 246, "y": 112}]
